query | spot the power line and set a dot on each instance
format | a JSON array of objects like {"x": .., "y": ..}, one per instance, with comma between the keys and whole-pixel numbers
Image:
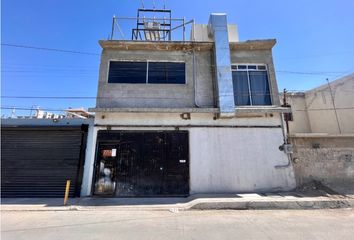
[
  {"x": 25, "y": 109},
  {"x": 39, "y": 68},
  {"x": 317, "y": 55},
  {"x": 83, "y": 97},
  {"x": 310, "y": 73},
  {"x": 323, "y": 109},
  {"x": 49, "y": 97},
  {"x": 49, "y": 49}
]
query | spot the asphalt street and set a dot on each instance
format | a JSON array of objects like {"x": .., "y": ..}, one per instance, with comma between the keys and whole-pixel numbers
[{"x": 247, "y": 224}]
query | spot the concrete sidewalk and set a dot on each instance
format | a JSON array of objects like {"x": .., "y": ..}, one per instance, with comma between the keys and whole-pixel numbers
[{"x": 289, "y": 200}]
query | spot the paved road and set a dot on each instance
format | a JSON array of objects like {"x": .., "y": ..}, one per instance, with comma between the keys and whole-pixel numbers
[{"x": 105, "y": 225}]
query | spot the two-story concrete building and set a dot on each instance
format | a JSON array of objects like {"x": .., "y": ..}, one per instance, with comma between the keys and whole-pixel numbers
[{"x": 175, "y": 118}]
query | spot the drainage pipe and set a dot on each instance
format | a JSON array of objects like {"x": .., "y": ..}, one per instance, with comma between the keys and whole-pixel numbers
[{"x": 285, "y": 139}]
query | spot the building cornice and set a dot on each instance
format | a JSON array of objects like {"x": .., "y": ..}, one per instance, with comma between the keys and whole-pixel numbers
[
  {"x": 183, "y": 46},
  {"x": 245, "y": 109}
]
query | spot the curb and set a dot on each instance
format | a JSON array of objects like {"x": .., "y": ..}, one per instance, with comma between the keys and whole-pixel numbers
[
  {"x": 205, "y": 204},
  {"x": 273, "y": 205}
]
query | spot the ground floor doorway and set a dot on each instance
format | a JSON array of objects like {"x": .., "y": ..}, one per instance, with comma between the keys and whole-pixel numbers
[{"x": 142, "y": 163}]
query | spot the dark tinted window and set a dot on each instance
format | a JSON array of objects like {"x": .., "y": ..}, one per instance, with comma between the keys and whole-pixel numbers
[
  {"x": 251, "y": 87},
  {"x": 259, "y": 88},
  {"x": 241, "y": 92},
  {"x": 166, "y": 72},
  {"x": 127, "y": 72}
]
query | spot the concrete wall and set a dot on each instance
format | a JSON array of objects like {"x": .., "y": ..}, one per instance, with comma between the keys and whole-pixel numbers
[
  {"x": 200, "y": 33},
  {"x": 301, "y": 122},
  {"x": 326, "y": 159},
  {"x": 90, "y": 154},
  {"x": 314, "y": 112},
  {"x": 238, "y": 160},
  {"x": 227, "y": 155},
  {"x": 113, "y": 95},
  {"x": 320, "y": 98},
  {"x": 158, "y": 95},
  {"x": 174, "y": 119}
]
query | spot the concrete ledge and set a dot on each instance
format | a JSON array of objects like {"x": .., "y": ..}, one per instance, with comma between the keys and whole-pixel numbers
[
  {"x": 243, "y": 109},
  {"x": 320, "y": 135},
  {"x": 124, "y": 45}
]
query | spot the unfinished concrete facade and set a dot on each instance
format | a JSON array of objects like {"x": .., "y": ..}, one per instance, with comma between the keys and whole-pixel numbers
[{"x": 229, "y": 152}]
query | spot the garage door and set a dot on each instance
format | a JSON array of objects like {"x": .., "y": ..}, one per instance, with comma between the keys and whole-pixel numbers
[
  {"x": 149, "y": 163},
  {"x": 36, "y": 162}
]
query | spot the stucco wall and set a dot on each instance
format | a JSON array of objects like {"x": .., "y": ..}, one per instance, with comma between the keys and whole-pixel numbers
[
  {"x": 171, "y": 119},
  {"x": 300, "y": 123},
  {"x": 325, "y": 120},
  {"x": 238, "y": 160},
  {"x": 326, "y": 159},
  {"x": 314, "y": 112}
]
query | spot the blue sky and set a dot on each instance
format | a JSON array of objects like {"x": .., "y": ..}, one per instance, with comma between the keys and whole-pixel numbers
[{"x": 314, "y": 42}]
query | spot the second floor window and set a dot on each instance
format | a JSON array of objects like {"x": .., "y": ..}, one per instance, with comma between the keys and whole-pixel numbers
[
  {"x": 146, "y": 72},
  {"x": 251, "y": 85}
]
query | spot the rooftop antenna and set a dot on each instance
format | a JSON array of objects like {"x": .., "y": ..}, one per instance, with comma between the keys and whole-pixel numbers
[
  {"x": 13, "y": 113},
  {"x": 142, "y": 3}
]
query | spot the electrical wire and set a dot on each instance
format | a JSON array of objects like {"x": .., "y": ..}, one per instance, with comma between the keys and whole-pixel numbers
[
  {"x": 323, "y": 109},
  {"x": 49, "y": 49},
  {"x": 29, "y": 108}
]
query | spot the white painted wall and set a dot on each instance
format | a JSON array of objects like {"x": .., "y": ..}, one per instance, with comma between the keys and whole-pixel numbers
[
  {"x": 89, "y": 161},
  {"x": 174, "y": 119},
  {"x": 222, "y": 160},
  {"x": 226, "y": 160}
]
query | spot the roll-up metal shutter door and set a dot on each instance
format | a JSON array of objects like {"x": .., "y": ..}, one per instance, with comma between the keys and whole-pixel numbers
[{"x": 36, "y": 162}]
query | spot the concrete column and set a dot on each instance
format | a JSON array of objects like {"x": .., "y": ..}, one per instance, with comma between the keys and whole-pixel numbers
[{"x": 89, "y": 161}]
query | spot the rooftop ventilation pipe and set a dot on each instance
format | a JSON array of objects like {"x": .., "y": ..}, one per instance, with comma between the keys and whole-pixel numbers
[{"x": 217, "y": 28}]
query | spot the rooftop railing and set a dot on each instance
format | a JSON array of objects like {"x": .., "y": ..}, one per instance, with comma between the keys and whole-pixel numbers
[{"x": 158, "y": 25}]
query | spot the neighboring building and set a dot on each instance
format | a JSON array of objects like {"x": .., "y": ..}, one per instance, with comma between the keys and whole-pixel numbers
[
  {"x": 78, "y": 113},
  {"x": 322, "y": 132},
  {"x": 174, "y": 118},
  {"x": 326, "y": 109}
]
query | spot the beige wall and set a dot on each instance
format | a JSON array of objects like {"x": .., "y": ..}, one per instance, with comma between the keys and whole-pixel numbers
[
  {"x": 314, "y": 112},
  {"x": 300, "y": 123}
]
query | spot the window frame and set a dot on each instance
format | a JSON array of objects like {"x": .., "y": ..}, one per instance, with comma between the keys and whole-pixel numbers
[
  {"x": 235, "y": 68},
  {"x": 147, "y": 70}
]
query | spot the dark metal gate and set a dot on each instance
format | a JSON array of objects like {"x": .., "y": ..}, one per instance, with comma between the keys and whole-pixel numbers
[
  {"x": 36, "y": 162},
  {"x": 135, "y": 163}
]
